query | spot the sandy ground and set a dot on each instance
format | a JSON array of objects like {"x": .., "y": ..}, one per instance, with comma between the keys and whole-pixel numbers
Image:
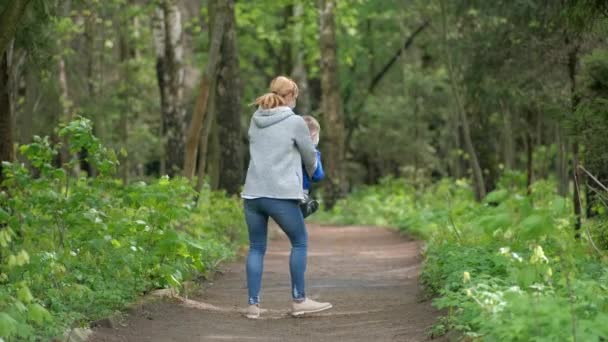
[{"x": 369, "y": 274}]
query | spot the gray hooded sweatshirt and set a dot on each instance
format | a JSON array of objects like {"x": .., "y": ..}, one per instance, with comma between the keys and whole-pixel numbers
[{"x": 279, "y": 143}]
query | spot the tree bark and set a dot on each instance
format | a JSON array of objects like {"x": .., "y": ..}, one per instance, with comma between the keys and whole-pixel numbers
[
  {"x": 572, "y": 66},
  {"x": 331, "y": 105},
  {"x": 9, "y": 21},
  {"x": 66, "y": 105},
  {"x": 126, "y": 53},
  {"x": 213, "y": 156},
  {"x": 299, "y": 74},
  {"x": 203, "y": 148},
  {"x": 198, "y": 116},
  {"x": 508, "y": 139},
  {"x": 93, "y": 73},
  {"x": 170, "y": 74},
  {"x": 562, "y": 161},
  {"x": 529, "y": 155},
  {"x": 228, "y": 100},
  {"x": 479, "y": 184},
  {"x": 7, "y": 151}
]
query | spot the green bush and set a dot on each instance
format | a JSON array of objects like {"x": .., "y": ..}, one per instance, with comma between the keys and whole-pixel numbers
[
  {"x": 506, "y": 269},
  {"x": 75, "y": 249}
]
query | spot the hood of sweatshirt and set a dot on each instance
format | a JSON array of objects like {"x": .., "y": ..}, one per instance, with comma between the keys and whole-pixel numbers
[{"x": 268, "y": 117}]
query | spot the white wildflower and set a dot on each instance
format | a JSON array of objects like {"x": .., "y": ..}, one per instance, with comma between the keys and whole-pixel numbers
[
  {"x": 517, "y": 257},
  {"x": 538, "y": 256},
  {"x": 466, "y": 277}
]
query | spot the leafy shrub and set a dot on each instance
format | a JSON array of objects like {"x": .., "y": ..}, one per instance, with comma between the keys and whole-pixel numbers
[
  {"x": 506, "y": 269},
  {"x": 75, "y": 248}
]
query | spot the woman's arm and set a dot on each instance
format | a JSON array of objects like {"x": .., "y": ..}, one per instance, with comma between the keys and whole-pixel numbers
[{"x": 305, "y": 145}]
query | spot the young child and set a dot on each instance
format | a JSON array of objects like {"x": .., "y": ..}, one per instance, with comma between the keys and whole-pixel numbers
[{"x": 315, "y": 131}]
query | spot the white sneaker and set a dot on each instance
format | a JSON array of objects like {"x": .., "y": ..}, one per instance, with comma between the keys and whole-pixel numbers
[
  {"x": 253, "y": 311},
  {"x": 308, "y": 306}
]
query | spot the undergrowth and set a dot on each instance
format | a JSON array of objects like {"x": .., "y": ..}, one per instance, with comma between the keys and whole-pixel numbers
[
  {"x": 74, "y": 249},
  {"x": 506, "y": 269}
]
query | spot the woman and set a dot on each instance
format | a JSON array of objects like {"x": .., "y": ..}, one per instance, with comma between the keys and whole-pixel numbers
[{"x": 279, "y": 143}]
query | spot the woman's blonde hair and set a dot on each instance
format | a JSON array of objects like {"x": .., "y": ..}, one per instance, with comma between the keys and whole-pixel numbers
[{"x": 280, "y": 87}]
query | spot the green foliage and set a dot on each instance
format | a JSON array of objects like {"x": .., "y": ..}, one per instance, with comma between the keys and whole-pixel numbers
[
  {"x": 506, "y": 269},
  {"x": 76, "y": 249}
]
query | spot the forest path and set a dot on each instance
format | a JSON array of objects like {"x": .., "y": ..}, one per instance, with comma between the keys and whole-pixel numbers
[{"x": 369, "y": 274}]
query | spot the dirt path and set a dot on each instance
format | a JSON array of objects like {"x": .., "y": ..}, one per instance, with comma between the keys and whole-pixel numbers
[{"x": 369, "y": 274}]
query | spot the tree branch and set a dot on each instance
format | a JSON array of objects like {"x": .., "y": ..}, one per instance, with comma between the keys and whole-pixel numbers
[{"x": 389, "y": 64}]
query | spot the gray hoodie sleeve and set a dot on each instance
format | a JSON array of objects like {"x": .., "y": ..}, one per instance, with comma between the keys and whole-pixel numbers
[{"x": 305, "y": 145}]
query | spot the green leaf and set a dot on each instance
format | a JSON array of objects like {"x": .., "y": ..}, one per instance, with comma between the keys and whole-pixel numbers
[
  {"x": 8, "y": 325},
  {"x": 496, "y": 196},
  {"x": 24, "y": 294},
  {"x": 38, "y": 313}
]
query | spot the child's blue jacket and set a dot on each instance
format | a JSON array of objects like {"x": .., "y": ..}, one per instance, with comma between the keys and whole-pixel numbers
[{"x": 316, "y": 176}]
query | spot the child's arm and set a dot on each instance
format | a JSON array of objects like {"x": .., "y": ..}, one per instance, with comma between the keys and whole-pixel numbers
[{"x": 319, "y": 174}]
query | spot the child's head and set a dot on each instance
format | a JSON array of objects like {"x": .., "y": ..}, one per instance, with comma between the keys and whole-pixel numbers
[{"x": 313, "y": 127}]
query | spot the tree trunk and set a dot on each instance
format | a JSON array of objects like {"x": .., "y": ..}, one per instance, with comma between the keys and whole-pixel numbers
[
  {"x": 126, "y": 53},
  {"x": 299, "y": 74},
  {"x": 203, "y": 149},
  {"x": 228, "y": 100},
  {"x": 198, "y": 116},
  {"x": 9, "y": 21},
  {"x": 7, "y": 152},
  {"x": 529, "y": 156},
  {"x": 572, "y": 66},
  {"x": 562, "y": 161},
  {"x": 66, "y": 105},
  {"x": 508, "y": 139},
  {"x": 170, "y": 74},
  {"x": 479, "y": 184},
  {"x": 92, "y": 78},
  {"x": 213, "y": 151},
  {"x": 331, "y": 105},
  {"x": 412, "y": 93},
  {"x": 158, "y": 29}
]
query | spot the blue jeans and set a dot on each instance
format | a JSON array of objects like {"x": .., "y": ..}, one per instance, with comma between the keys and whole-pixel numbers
[{"x": 289, "y": 217}]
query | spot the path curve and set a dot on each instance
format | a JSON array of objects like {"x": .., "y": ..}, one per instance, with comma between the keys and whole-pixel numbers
[{"x": 369, "y": 274}]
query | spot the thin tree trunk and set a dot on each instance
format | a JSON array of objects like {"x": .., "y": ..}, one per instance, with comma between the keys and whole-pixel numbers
[
  {"x": 198, "y": 116},
  {"x": 331, "y": 105},
  {"x": 158, "y": 29},
  {"x": 170, "y": 73},
  {"x": 455, "y": 158},
  {"x": 508, "y": 139},
  {"x": 562, "y": 161},
  {"x": 9, "y": 21},
  {"x": 228, "y": 99},
  {"x": 406, "y": 93},
  {"x": 92, "y": 77},
  {"x": 66, "y": 105},
  {"x": 7, "y": 151},
  {"x": 299, "y": 73},
  {"x": 576, "y": 194},
  {"x": 203, "y": 149},
  {"x": 213, "y": 158},
  {"x": 126, "y": 53},
  {"x": 480, "y": 189},
  {"x": 529, "y": 156},
  {"x": 574, "y": 101}
]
